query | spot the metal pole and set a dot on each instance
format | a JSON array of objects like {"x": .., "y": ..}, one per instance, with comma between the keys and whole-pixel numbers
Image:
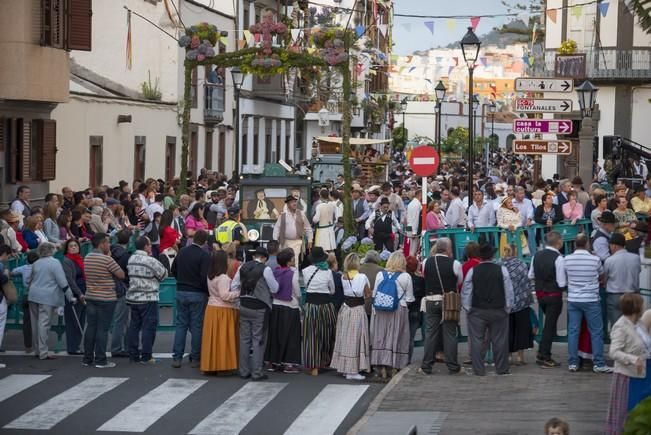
[
  {"x": 438, "y": 135},
  {"x": 404, "y": 130},
  {"x": 488, "y": 153},
  {"x": 471, "y": 129},
  {"x": 237, "y": 131}
]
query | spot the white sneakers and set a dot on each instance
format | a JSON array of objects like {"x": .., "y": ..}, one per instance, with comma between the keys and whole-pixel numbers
[{"x": 355, "y": 377}]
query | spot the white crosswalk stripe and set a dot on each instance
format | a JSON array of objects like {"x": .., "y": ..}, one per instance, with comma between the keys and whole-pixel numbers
[
  {"x": 48, "y": 414},
  {"x": 149, "y": 408},
  {"x": 236, "y": 412},
  {"x": 14, "y": 384},
  {"x": 326, "y": 412}
]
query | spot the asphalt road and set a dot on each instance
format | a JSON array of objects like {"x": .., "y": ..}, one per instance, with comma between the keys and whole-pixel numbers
[{"x": 63, "y": 397}]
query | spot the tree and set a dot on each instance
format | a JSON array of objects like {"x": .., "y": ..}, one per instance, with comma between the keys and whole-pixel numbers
[
  {"x": 642, "y": 8},
  {"x": 457, "y": 143},
  {"x": 400, "y": 137}
]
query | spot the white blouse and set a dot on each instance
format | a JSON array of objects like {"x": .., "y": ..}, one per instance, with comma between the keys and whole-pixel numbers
[
  {"x": 354, "y": 288},
  {"x": 321, "y": 282},
  {"x": 404, "y": 284}
]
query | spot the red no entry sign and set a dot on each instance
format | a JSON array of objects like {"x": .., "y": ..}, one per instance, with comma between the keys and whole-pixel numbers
[{"x": 424, "y": 161}]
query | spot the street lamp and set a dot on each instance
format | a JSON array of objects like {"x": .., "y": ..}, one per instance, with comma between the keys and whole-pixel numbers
[
  {"x": 470, "y": 45},
  {"x": 238, "y": 80},
  {"x": 492, "y": 108},
  {"x": 587, "y": 94},
  {"x": 439, "y": 92},
  {"x": 403, "y": 108}
]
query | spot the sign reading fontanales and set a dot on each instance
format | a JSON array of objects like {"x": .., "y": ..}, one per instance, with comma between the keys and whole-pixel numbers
[
  {"x": 534, "y": 146},
  {"x": 537, "y": 105}
]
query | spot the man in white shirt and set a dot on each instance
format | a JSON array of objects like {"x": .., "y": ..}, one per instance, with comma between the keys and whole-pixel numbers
[
  {"x": 414, "y": 209},
  {"x": 155, "y": 207},
  {"x": 455, "y": 215},
  {"x": 480, "y": 213},
  {"x": 382, "y": 226}
]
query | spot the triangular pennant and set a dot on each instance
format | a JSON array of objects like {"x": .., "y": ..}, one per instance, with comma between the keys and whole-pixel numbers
[
  {"x": 456, "y": 61},
  {"x": 248, "y": 37},
  {"x": 402, "y": 68},
  {"x": 525, "y": 59},
  {"x": 295, "y": 33},
  {"x": 451, "y": 23},
  {"x": 241, "y": 43},
  {"x": 577, "y": 11},
  {"x": 483, "y": 61},
  {"x": 383, "y": 29},
  {"x": 411, "y": 69},
  {"x": 430, "y": 26},
  {"x": 406, "y": 26},
  {"x": 224, "y": 40},
  {"x": 359, "y": 30},
  {"x": 409, "y": 58},
  {"x": 450, "y": 70},
  {"x": 551, "y": 14},
  {"x": 474, "y": 22},
  {"x": 603, "y": 8}
]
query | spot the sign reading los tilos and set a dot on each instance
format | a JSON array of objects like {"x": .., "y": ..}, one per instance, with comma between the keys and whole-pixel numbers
[
  {"x": 537, "y": 105},
  {"x": 543, "y": 85},
  {"x": 539, "y": 126},
  {"x": 534, "y": 146},
  {"x": 424, "y": 161}
]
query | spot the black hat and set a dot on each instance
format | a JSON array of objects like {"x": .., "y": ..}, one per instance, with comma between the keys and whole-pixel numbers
[
  {"x": 486, "y": 251},
  {"x": 318, "y": 255},
  {"x": 261, "y": 252},
  {"x": 290, "y": 198},
  {"x": 607, "y": 217},
  {"x": 384, "y": 200},
  {"x": 618, "y": 239}
]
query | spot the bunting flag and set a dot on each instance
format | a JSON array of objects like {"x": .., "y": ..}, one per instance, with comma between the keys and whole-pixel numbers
[
  {"x": 359, "y": 30},
  {"x": 129, "y": 48},
  {"x": 411, "y": 69},
  {"x": 383, "y": 29},
  {"x": 603, "y": 8},
  {"x": 295, "y": 34},
  {"x": 170, "y": 15},
  {"x": 551, "y": 14},
  {"x": 248, "y": 37},
  {"x": 534, "y": 33},
  {"x": 429, "y": 81},
  {"x": 450, "y": 70},
  {"x": 525, "y": 59},
  {"x": 451, "y": 23},
  {"x": 456, "y": 61},
  {"x": 474, "y": 22},
  {"x": 406, "y": 26},
  {"x": 577, "y": 11},
  {"x": 430, "y": 26},
  {"x": 224, "y": 40},
  {"x": 402, "y": 68},
  {"x": 484, "y": 61},
  {"x": 241, "y": 43},
  {"x": 409, "y": 58}
]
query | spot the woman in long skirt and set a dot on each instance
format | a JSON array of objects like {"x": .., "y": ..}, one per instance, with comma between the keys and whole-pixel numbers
[
  {"x": 320, "y": 319},
  {"x": 629, "y": 352},
  {"x": 324, "y": 216},
  {"x": 520, "y": 329},
  {"x": 220, "y": 339},
  {"x": 284, "y": 342},
  {"x": 351, "y": 354},
  {"x": 390, "y": 329}
]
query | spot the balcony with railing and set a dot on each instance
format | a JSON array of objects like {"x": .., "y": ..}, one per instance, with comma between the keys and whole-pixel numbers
[
  {"x": 608, "y": 64},
  {"x": 213, "y": 109}
]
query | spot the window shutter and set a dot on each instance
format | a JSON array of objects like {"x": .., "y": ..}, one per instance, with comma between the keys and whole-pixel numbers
[
  {"x": 48, "y": 149},
  {"x": 79, "y": 25},
  {"x": 12, "y": 150},
  {"x": 2, "y": 134},
  {"x": 25, "y": 151}
]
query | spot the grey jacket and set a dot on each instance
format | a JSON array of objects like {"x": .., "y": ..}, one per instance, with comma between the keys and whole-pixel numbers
[
  {"x": 49, "y": 283},
  {"x": 71, "y": 276}
]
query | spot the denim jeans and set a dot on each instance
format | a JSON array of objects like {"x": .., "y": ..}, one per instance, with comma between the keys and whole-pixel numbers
[
  {"x": 142, "y": 327},
  {"x": 190, "y": 307},
  {"x": 119, "y": 329},
  {"x": 592, "y": 313},
  {"x": 98, "y": 321}
]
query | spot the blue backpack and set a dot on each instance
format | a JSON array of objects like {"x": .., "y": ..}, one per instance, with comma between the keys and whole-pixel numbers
[{"x": 386, "y": 296}]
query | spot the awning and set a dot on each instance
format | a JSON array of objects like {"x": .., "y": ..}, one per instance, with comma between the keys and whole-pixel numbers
[{"x": 354, "y": 140}]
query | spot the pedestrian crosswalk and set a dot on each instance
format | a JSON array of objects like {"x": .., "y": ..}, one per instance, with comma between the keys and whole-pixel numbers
[{"x": 239, "y": 407}]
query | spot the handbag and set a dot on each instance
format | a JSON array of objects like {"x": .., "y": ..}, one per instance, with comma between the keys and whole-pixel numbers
[
  {"x": 451, "y": 300},
  {"x": 10, "y": 292}
]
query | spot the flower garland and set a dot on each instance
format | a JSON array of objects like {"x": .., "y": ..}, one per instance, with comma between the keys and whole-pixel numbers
[
  {"x": 199, "y": 41},
  {"x": 331, "y": 44}
]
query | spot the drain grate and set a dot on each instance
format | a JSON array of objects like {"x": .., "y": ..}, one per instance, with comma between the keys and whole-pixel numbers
[{"x": 399, "y": 422}]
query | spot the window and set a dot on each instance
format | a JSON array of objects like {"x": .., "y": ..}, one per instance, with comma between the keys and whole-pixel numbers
[
  {"x": 30, "y": 149},
  {"x": 139, "y": 157},
  {"x": 67, "y": 24},
  {"x": 208, "y": 150},
  {"x": 221, "y": 147},
  {"x": 279, "y": 145},
  {"x": 245, "y": 149},
  {"x": 256, "y": 148},
  {"x": 96, "y": 161},
  {"x": 268, "y": 156},
  {"x": 170, "y": 157}
]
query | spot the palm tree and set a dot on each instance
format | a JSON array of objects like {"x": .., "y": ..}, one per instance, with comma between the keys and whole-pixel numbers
[{"x": 642, "y": 8}]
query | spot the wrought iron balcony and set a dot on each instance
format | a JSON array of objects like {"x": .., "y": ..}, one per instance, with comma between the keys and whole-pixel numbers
[
  {"x": 604, "y": 64},
  {"x": 213, "y": 109}
]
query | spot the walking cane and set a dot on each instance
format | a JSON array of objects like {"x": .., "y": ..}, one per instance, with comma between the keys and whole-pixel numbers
[{"x": 74, "y": 312}]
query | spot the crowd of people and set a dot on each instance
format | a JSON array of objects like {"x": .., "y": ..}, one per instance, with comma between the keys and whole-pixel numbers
[{"x": 359, "y": 314}]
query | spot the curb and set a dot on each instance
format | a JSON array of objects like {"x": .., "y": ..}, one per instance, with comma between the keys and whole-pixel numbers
[{"x": 377, "y": 401}]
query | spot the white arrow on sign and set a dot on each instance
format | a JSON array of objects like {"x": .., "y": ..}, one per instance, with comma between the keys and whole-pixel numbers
[
  {"x": 544, "y": 85},
  {"x": 538, "y": 105}
]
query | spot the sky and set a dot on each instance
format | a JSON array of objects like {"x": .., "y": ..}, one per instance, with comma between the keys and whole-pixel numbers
[{"x": 419, "y": 37}]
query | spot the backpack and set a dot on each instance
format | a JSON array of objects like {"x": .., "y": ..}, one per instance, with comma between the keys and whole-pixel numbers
[
  {"x": 250, "y": 274},
  {"x": 386, "y": 296}
]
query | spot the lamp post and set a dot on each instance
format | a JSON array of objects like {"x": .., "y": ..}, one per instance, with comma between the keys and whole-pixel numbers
[
  {"x": 587, "y": 94},
  {"x": 492, "y": 108},
  {"x": 475, "y": 106},
  {"x": 439, "y": 92},
  {"x": 238, "y": 79},
  {"x": 403, "y": 108},
  {"x": 470, "y": 45}
]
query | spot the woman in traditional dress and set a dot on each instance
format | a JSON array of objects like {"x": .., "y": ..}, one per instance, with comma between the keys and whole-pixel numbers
[
  {"x": 220, "y": 339},
  {"x": 351, "y": 354},
  {"x": 324, "y": 218},
  {"x": 320, "y": 318},
  {"x": 520, "y": 329},
  {"x": 390, "y": 329},
  {"x": 284, "y": 343}
]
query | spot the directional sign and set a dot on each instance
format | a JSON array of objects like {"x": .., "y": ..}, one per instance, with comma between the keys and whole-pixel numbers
[
  {"x": 536, "y": 105},
  {"x": 544, "y": 85},
  {"x": 424, "y": 161},
  {"x": 561, "y": 147},
  {"x": 558, "y": 126}
]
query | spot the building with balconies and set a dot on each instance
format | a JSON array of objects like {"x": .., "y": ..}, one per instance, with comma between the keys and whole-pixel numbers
[{"x": 36, "y": 38}]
